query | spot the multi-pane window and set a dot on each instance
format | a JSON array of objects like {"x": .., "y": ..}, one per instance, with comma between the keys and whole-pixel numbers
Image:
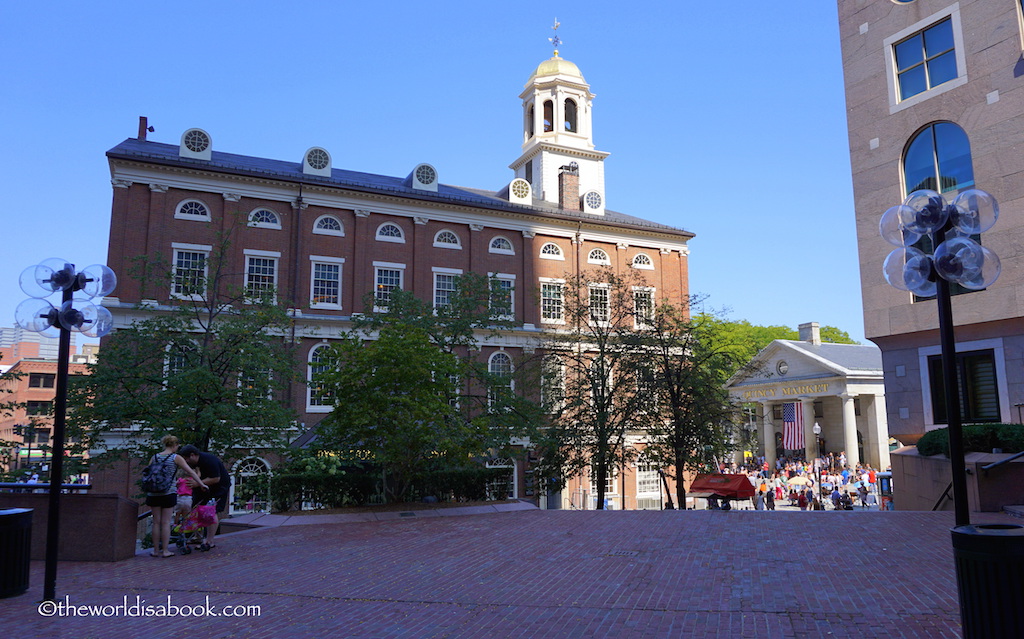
[
  {"x": 925, "y": 59},
  {"x": 552, "y": 388},
  {"x": 938, "y": 158},
  {"x": 642, "y": 260},
  {"x": 499, "y": 366},
  {"x": 444, "y": 289},
  {"x": 647, "y": 478},
  {"x": 260, "y": 276},
  {"x": 609, "y": 480},
  {"x": 37, "y": 407},
  {"x": 41, "y": 380},
  {"x": 501, "y": 245},
  {"x": 551, "y": 302},
  {"x": 501, "y": 296},
  {"x": 328, "y": 225},
  {"x": 387, "y": 279},
  {"x": 598, "y": 256},
  {"x": 977, "y": 385},
  {"x": 178, "y": 357},
  {"x": 318, "y": 364},
  {"x": 551, "y": 251},
  {"x": 447, "y": 239},
  {"x": 192, "y": 210},
  {"x": 326, "y": 285},
  {"x": 390, "y": 233},
  {"x": 189, "y": 274},
  {"x": 264, "y": 218},
  {"x": 643, "y": 307},
  {"x": 600, "y": 308}
]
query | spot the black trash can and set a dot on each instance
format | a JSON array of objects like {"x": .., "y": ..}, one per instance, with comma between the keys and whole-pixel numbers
[
  {"x": 15, "y": 550},
  {"x": 990, "y": 578}
]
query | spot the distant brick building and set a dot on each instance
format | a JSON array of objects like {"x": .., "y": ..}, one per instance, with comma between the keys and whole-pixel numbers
[{"x": 322, "y": 238}]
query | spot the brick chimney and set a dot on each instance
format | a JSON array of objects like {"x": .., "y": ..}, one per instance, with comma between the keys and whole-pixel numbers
[
  {"x": 809, "y": 333},
  {"x": 144, "y": 127},
  {"x": 569, "y": 187}
]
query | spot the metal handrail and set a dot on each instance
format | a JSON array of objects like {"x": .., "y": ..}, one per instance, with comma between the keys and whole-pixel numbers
[{"x": 1003, "y": 461}]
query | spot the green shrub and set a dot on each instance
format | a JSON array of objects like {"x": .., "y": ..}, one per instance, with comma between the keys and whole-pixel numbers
[
  {"x": 980, "y": 438},
  {"x": 462, "y": 484}
]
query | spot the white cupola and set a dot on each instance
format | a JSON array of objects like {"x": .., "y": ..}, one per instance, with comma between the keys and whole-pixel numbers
[{"x": 558, "y": 132}]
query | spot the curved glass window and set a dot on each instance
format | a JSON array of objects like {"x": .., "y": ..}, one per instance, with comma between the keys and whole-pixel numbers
[
  {"x": 938, "y": 157},
  {"x": 570, "y": 115}
]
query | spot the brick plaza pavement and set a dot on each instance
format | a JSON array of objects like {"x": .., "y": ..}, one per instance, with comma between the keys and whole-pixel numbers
[{"x": 539, "y": 574}]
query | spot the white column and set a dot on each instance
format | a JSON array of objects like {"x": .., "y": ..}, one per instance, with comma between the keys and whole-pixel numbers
[
  {"x": 878, "y": 426},
  {"x": 807, "y": 406},
  {"x": 850, "y": 431},
  {"x": 767, "y": 434}
]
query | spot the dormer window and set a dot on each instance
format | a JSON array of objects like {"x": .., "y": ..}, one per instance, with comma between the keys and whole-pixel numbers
[
  {"x": 551, "y": 251},
  {"x": 264, "y": 219},
  {"x": 570, "y": 115},
  {"x": 328, "y": 225},
  {"x": 390, "y": 233},
  {"x": 447, "y": 239}
]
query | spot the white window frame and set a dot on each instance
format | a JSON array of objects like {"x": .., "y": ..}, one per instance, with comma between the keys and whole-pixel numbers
[
  {"x": 554, "y": 369},
  {"x": 511, "y": 372},
  {"x": 391, "y": 266},
  {"x": 552, "y": 256},
  {"x": 310, "y": 406},
  {"x": 448, "y": 245},
  {"x": 591, "y": 288},
  {"x": 320, "y": 231},
  {"x": 452, "y": 272},
  {"x": 561, "y": 288},
  {"x": 952, "y": 12},
  {"x": 507, "y": 277},
  {"x": 327, "y": 260},
  {"x": 994, "y": 344},
  {"x": 265, "y": 225},
  {"x": 636, "y": 311},
  {"x": 501, "y": 251},
  {"x": 645, "y": 267},
  {"x": 390, "y": 238},
  {"x": 606, "y": 261},
  {"x": 178, "y": 215},
  {"x": 205, "y": 249},
  {"x": 263, "y": 255}
]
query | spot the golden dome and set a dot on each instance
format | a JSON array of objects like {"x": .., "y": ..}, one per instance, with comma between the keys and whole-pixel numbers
[{"x": 556, "y": 66}]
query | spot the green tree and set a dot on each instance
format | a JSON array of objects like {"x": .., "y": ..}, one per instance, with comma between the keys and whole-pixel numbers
[
  {"x": 212, "y": 369},
  {"x": 8, "y": 379},
  {"x": 745, "y": 340}
]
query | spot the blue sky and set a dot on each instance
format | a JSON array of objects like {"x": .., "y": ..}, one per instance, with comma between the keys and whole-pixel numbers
[{"x": 723, "y": 118}]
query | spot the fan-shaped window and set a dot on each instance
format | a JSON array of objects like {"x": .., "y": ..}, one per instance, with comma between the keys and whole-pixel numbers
[
  {"x": 390, "y": 233},
  {"x": 264, "y": 219},
  {"x": 192, "y": 210},
  {"x": 598, "y": 256},
  {"x": 551, "y": 251},
  {"x": 549, "y": 116},
  {"x": 570, "y": 115},
  {"x": 642, "y": 260},
  {"x": 938, "y": 157},
  {"x": 447, "y": 239},
  {"x": 328, "y": 225},
  {"x": 501, "y": 245},
  {"x": 318, "y": 399}
]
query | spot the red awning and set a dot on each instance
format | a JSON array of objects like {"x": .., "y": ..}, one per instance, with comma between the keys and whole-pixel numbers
[{"x": 735, "y": 486}]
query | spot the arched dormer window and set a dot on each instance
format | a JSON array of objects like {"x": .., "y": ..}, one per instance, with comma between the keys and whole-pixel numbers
[
  {"x": 447, "y": 239},
  {"x": 551, "y": 251},
  {"x": 501, "y": 245},
  {"x": 599, "y": 256},
  {"x": 549, "y": 116},
  {"x": 389, "y": 232},
  {"x": 570, "y": 115},
  {"x": 264, "y": 219},
  {"x": 642, "y": 260},
  {"x": 328, "y": 225},
  {"x": 938, "y": 157}
]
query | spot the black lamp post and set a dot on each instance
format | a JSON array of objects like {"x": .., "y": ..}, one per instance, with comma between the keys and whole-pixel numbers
[{"x": 79, "y": 315}]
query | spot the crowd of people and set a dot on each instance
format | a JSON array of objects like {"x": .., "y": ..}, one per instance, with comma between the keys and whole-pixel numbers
[{"x": 824, "y": 483}]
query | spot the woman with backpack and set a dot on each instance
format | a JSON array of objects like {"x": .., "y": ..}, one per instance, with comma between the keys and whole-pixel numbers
[{"x": 162, "y": 498}]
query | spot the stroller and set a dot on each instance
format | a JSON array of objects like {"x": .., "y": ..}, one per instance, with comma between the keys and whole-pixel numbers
[{"x": 191, "y": 530}]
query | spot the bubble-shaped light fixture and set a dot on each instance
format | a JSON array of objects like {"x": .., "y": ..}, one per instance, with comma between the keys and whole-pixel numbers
[
  {"x": 36, "y": 315},
  {"x": 974, "y": 211},
  {"x": 930, "y": 211},
  {"x": 97, "y": 280},
  {"x": 895, "y": 226},
  {"x": 967, "y": 263},
  {"x": 47, "y": 277}
]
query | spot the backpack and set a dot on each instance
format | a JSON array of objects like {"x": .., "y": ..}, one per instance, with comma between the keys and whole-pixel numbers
[{"x": 158, "y": 477}]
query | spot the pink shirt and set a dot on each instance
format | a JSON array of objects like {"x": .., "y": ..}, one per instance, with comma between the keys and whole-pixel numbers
[{"x": 183, "y": 487}]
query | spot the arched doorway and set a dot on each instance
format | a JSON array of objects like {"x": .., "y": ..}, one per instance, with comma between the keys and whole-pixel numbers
[{"x": 250, "y": 485}]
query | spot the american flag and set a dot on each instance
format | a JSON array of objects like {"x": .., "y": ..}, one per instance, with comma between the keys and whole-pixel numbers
[{"x": 792, "y": 426}]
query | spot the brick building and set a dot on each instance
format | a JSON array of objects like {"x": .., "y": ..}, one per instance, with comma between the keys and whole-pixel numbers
[
  {"x": 323, "y": 237},
  {"x": 935, "y": 99}
]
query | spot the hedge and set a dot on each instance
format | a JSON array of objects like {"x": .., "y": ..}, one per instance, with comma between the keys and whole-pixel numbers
[{"x": 978, "y": 438}]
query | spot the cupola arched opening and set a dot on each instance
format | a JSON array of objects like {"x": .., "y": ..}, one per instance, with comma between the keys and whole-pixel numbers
[
  {"x": 549, "y": 116},
  {"x": 570, "y": 115}
]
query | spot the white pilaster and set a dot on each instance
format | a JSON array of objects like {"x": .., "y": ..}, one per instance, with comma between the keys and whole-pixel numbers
[
  {"x": 850, "y": 431},
  {"x": 807, "y": 406}
]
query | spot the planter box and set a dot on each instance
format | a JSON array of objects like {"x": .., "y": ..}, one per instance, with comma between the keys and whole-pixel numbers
[
  {"x": 918, "y": 482},
  {"x": 92, "y": 527}
]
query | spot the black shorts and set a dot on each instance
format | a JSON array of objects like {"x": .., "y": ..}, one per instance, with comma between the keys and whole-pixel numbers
[{"x": 162, "y": 501}]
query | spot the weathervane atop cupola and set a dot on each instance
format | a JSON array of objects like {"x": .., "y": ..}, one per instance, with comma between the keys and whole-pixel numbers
[{"x": 556, "y": 41}]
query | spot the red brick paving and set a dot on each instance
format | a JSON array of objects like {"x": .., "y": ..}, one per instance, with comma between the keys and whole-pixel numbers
[{"x": 540, "y": 574}]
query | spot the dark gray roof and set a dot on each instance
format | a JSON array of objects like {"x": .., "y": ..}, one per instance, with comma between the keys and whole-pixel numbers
[
  {"x": 167, "y": 154},
  {"x": 849, "y": 356}
]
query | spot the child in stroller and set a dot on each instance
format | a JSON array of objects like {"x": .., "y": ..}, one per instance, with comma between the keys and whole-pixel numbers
[{"x": 187, "y": 530}]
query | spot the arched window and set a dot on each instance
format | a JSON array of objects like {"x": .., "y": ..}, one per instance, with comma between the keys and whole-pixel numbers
[
  {"x": 389, "y": 232},
  {"x": 642, "y": 260},
  {"x": 570, "y": 115},
  {"x": 549, "y": 116},
  {"x": 551, "y": 251},
  {"x": 530, "y": 127},
  {"x": 938, "y": 157},
  {"x": 598, "y": 256},
  {"x": 328, "y": 225},
  {"x": 447, "y": 239},
  {"x": 264, "y": 219},
  {"x": 251, "y": 486},
  {"x": 501, "y": 245},
  {"x": 500, "y": 366},
  {"x": 317, "y": 396},
  {"x": 192, "y": 210}
]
